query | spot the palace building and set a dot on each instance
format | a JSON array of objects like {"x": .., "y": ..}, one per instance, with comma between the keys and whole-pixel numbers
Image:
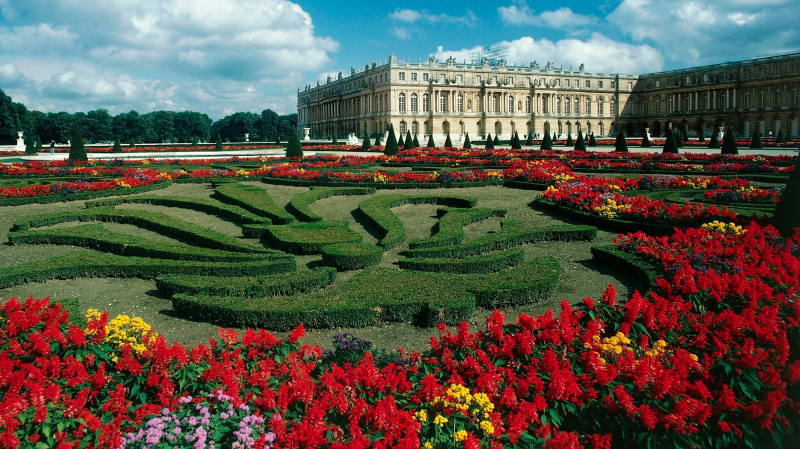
[{"x": 454, "y": 98}]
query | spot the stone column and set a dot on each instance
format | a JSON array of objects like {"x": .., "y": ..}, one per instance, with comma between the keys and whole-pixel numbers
[
  {"x": 715, "y": 106},
  {"x": 734, "y": 97}
]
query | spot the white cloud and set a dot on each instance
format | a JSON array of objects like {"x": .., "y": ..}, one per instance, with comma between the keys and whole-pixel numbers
[
  {"x": 563, "y": 18},
  {"x": 401, "y": 33},
  {"x": 740, "y": 18},
  {"x": 599, "y": 54},
  {"x": 412, "y": 16}
]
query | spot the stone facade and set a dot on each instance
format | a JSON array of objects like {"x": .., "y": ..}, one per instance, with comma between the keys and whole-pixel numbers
[
  {"x": 443, "y": 98},
  {"x": 756, "y": 94}
]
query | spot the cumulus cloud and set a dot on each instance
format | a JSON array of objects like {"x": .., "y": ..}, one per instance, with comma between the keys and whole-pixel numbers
[
  {"x": 563, "y": 18},
  {"x": 113, "y": 52},
  {"x": 599, "y": 54},
  {"x": 413, "y": 16}
]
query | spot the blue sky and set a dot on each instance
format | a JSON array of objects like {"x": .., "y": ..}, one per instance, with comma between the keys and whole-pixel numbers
[{"x": 221, "y": 56}]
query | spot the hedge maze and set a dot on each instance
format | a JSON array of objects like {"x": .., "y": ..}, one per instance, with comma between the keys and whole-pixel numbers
[{"x": 224, "y": 279}]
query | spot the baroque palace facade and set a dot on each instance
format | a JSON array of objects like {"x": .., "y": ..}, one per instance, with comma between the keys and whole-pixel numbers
[{"x": 443, "y": 98}]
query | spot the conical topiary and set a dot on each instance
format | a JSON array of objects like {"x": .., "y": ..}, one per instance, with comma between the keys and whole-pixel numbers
[
  {"x": 401, "y": 143},
  {"x": 780, "y": 138},
  {"x": 30, "y": 147},
  {"x": 621, "y": 145},
  {"x": 416, "y": 142},
  {"x": 218, "y": 144},
  {"x": 729, "y": 143},
  {"x": 391, "y": 143},
  {"x": 366, "y": 145},
  {"x": 431, "y": 144},
  {"x": 787, "y": 212},
  {"x": 117, "y": 146},
  {"x": 547, "y": 142},
  {"x": 496, "y": 140},
  {"x": 132, "y": 144},
  {"x": 680, "y": 137},
  {"x": 293, "y": 147},
  {"x": 194, "y": 141},
  {"x": 529, "y": 141},
  {"x": 447, "y": 142},
  {"x": 670, "y": 146},
  {"x": 378, "y": 140},
  {"x": 580, "y": 144},
  {"x": 646, "y": 141},
  {"x": 408, "y": 140},
  {"x": 278, "y": 140},
  {"x": 489, "y": 143},
  {"x": 467, "y": 143},
  {"x": 700, "y": 135},
  {"x": 592, "y": 142},
  {"x": 756, "y": 141},
  {"x": 77, "y": 152},
  {"x": 554, "y": 137},
  {"x": 714, "y": 142},
  {"x": 570, "y": 142},
  {"x": 334, "y": 141}
]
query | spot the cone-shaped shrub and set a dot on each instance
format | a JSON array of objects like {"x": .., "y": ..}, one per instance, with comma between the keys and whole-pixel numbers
[
  {"x": 787, "y": 212},
  {"x": 77, "y": 152},
  {"x": 278, "y": 139},
  {"x": 334, "y": 141},
  {"x": 29, "y": 145},
  {"x": 621, "y": 145},
  {"x": 679, "y": 139},
  {"x": 194, "y": 141},
  {"x": 378, "y": 140},
  {"x": 416, "y": 142},
  {"x": 547, "y": 142},
  {"x": 408, "y": 140},
  {"x": 496, "y": 140},
  {"x": 670, "y": 146},
  {"x": 529, "y": 141},
  {"x": 294, "y": 148},
  {"x": 117, "y": 146},
  {"x": 729, "y": 143},
  {"x": 646, "y": 141},
  {"x": 554, "y": 136},
  {"x": 447, "y": 142},
  {"x": 391, "y": 143},
  {"x": 39, "y": 145},
  {"x": 132, "y": 144},
  {"x": 430, "y": 142},
  {"x": 366, "y": 145},
  {"x": 401, "y": 143},
  {"x": 515, "y": 142},
  {"x": 218, "y": 144},
  {"x": 592, "y": 142},
  {"x": 755, "y": 142},
  {"x": 714, "y": 142},
  {"x": 467, "y": 143},
  {"x": 700, "y": 135},
  {"x": 489, "y": 143},
  {"x": 570, "y": 142},
  {"x": 580, "y": 144},
  {"x": 780, "y": 138}
]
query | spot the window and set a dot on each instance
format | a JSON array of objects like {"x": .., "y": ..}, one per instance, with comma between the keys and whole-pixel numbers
[
  {"x": 793, "y": 97},
  {"x": 510, "y": 104},
  {"x": 670, "y": 104},
  {"x": 414, "y": 128},
  {"x": 612, "y": 107},
  {"x": 613, "y": 84},
  {"x": 413, "y": 102},
  {"x": 528, "y": 81},
  {"x": 588, "y": 102},
  {"x": 479, "y": 103},
  {"x": 794, "y": 68},
  {"x": 402, "y": 76},
  {"x": 494, "y": 79},
  {"x": 442, "y": 103},
  {"x": 588, "y": 83},
  {"x": 510, "y": 80},
  {"x": 630, "y": 86},
  {"x": 658, "y": 84},
  {"x": 645, "y": 107},
  {"x": 777, "y": 70},
  {"x": 544, "y": 104},
  {"x": 761, "y": 71},
  {"x": 403, "y": 129},
  {"x": 705, "y": 101},
  {"x": 746, "y": 100},
  {"x": 527, "y": 105},
  {"x": 599, "y": 106},
  {"x": 401, "y": 104},
  {"x": 566, "y": 83},
  {"x": 566, "y": 106},
  {"x": 477, "y": 79},
  {"x": 577, "y": 83},
  {"x": 496, "y": 104},
  {"x": 722, "y": 100},
  {"x": 577, "y": 109},
  {"x": 460, "y": 103},
  {"x": 687, "y": 102},
  {"x": 762, "y": 98},
  {"x": 424, "y": 77},
  {"x": 776, "y": 98},
  {"x": 425, "y": 103},
  {"x": 599, "y": 84},
  {"x": 746, "y": 73},
  {"x": 413, "y": 77}
]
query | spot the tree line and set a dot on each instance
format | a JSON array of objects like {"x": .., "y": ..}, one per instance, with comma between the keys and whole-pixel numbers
[{"x": 98, "y": 126}]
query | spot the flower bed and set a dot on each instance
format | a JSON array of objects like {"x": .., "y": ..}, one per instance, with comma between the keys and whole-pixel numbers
[
  {"x": 750, "y": 195},
  {"x": 705, "y": 360},
  {"x": 144, "y": 148}
]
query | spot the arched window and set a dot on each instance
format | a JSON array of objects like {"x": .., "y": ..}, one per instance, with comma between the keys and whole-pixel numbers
[
  {"x": 544, "y": 105},
  {"x": 380, "y": 104},
  {"x": 567, "y": 106},
  {"x": 776, "y": 98},
  {"x": 558, "y": 105},
  {"x": 577, "y": 109},
  {"x": 670, "y": 104},
  {"x": 510, "y": 104},
  {"x": 746, "y": 100},
  {"x": 442, "y": 102},
  {"x": 588, "y": 102},
  {"x": 600, "y": 106},
  {"x": 413, "y": 102},
  {"x": 401, "y": 104},
  {"x": 793, "y": 97},
  {"x": 479, "y": 103},
  {"x": 414, "y": 128},
  {"x": 762, "y": 98},
  {"x": 425, "y": 103},
  {"x": 527, "y": 105},
  {"x": 402, "y": 128},
  {"x": 460, "y": 103}
]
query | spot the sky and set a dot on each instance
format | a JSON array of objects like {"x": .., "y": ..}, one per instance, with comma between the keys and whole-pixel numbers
[{"x": 224, "y": 56}]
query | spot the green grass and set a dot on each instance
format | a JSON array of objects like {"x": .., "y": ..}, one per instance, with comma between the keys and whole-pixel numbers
[
  {"x": 450, "y": 229},
  {"x": 225, "y": 211},
  {"x": 305, "y": 238},
  {"x": 300, "y": 203}
]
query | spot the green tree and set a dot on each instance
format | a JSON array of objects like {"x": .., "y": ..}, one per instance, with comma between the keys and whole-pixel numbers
[
  {"x": 580, "y": 144},
  {"x": 755, "y": 142},
  {"x": 391, "y": 143},
  {"x": 409, "y": 141},
  {"x": 400, "y": 142},
  {"x": 467, "y": 143},
  {"x": 218, "y": 144},
  {"x": 431, "y": 144},
  {"x": 529, "y": 140},
  {"x": 293, "y": 147},
  {"x": 416, "y": 142},
  {"x": 515, "y": 142},
  {"x": 547, "y": 142},
  {"x": 447, "y": 142},
  {"x": 489, "y": 143},
  {"x": 99, "y": 126},
  {"x": 334, "y": 141},
  {"x": 29, "y": 144},
  {"x": 194, "y": 141},
  {"x": 77, "y": 152},
  {"x": 701, "y": 135},
  {"x": 592, "y": 141},
  {"x": 132, "y": 144},
  {"x": 554, "y": 137},
  {"x": 787, "y": 212},
  {"x": 714, "y": 142},
  {"x": 117, "y": 146},
  {"x": 366, "y": 145},
  {"x": 570, "y": 142},
  {"x": 621, "y": 145},
  {"x": 679, "y": 139},
  {"x": 729, "y": 143},
  {"x": 38, "y": 144},
  {"x": 670, "y": 146},
  {"x": 780, "y": 138},
  {"x": 496, "y": 140},
  {"x": 378, "y": 140}
]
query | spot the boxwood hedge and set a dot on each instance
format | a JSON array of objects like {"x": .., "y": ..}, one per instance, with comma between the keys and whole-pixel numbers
[
  {"x": 254, "y": 199},
  {"x": 249, "y": 287},
  {"x": 225, "y": 211},
  {"x": 351, "y": 256},
  {"x": 646, "y": 272},
  {"x": 450, "y": 229},
  {"x": 299, "y": 205},
  {"x": 304, "y": 238},
  {"x": 484, "y": 263}
]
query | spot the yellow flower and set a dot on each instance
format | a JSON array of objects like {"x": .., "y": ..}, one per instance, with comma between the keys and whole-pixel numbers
[
  {"x": 487, "y": 427},
  {"x": 439, "y": 420},
  {"x": 421, "y": 416},
  {"x": 461, "y": 435},
  {"x": 428, "y": 445}
]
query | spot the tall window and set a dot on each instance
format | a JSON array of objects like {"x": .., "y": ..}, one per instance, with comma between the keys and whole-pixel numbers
[
  {"x": 588, "y": 102},
  {"x": 793, "y": 97},
  {"x": 402, "y": 128},
  {"x": 612, "y": 107},
  {"x": 414, "y": 128},
  {"x": 413, "y": 77},
  {"x": 723, "y": 100},
  {"x": 527, "y": 105},
  {"x": 544, "y": 105},
  {"x": 670, "y": 106},
  {"x": 413, "y": 102},
  {"x": 380, "y": 104},
  {"x": 566, "y": 106},
  {"x": 558, "y": 105},
  {"x": 460, "y": 103},
  {"x": 497, "y": 104},
  {"x": 401, "y": 104},
  {"x": 600, "y": 106},
  {"x": 402, "y": 76},
  {"x": 442, "y": 103},
  {"x": 425, "y": 103},
  {"x": 705, "y": 101},
  {"x": 746, "y": 100},
  {"x": 479, "y": 103},
  {"x": 510, "y": 104},
  {"x": 762, "y": 98},
  {"x": 776, "y": 98},
  {"x": 777, "y": 70},
  {"x": 577, "y": 109}
]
